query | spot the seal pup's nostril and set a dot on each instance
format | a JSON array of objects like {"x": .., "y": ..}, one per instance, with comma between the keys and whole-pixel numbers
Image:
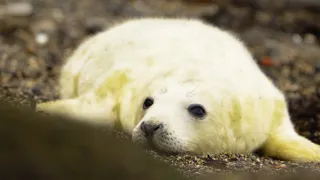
[{"x": 149, "y": 128}]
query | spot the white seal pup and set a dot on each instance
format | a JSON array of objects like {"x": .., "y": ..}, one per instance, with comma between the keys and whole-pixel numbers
[{"x": 183, "y": 86}]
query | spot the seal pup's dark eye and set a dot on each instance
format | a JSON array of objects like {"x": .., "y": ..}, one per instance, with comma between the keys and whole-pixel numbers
[
  {"x": 147, "y": 103},
  {"x": 197, "y": 110}
]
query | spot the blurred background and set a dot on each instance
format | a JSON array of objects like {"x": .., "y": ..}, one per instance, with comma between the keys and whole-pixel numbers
[{"x": 37, "y": 35}]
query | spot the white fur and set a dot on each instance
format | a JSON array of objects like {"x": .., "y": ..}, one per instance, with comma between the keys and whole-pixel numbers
[{"x": 177, "y": 62}]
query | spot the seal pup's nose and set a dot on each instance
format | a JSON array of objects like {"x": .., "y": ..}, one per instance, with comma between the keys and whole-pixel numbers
[{"x": 149, "y": 128}]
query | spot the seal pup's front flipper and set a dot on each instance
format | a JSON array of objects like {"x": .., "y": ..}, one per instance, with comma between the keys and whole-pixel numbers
[
  {"x": 84, "y": 107},
  {"x": 67, "y": 107},
  {"x": 286, "y": 144}
]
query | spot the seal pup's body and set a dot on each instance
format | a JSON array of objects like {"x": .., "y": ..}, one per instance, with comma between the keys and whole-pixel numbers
[{"x": 182, "y": 86}]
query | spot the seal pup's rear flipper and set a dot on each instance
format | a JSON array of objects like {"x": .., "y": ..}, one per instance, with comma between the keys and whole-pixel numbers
[{"x": 286, "y": 144}]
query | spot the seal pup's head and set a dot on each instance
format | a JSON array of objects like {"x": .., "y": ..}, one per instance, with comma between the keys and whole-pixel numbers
[
  {"x": 174, "y": 119},
  {"x": 199, "y": 117}
]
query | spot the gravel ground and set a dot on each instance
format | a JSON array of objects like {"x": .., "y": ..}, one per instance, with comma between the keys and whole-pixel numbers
[{"x": 36, "y": 38}]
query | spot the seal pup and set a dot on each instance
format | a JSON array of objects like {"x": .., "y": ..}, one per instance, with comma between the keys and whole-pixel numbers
[{"x": 181, "y": 86}]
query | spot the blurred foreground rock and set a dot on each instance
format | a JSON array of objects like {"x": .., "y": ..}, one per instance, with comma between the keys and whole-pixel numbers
[{"x": 41, "y": 147}]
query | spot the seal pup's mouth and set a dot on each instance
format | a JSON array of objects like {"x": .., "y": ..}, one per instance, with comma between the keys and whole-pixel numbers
[
  {"x": 151, "y": 145},
  {"x": 150, "y": 134},
  {"x": 155, "y": 137},
  {"x": 148, "y": 143}
]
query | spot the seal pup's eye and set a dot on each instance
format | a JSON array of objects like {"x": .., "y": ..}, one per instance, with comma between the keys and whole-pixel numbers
[
  {"x": 197, "y": 110},
  {"x": 147, "y": 103}
]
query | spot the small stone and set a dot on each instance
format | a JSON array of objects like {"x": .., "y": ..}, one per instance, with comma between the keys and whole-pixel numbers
[
  {"x": 19, "y": 9},
  {"x": 233, "y": 158},
  {"x": 239, "y": 164},
  {"x": 282, "y": 166},
  {"x": 317, "y": 67},
  {"x": 36, "y": 90},
  {"x": 94, "y": 25},
  {"x": 197, "y": 173},
  {"x": 266, "y": 61},
  {"x": 42, "y": 38},
  {"x": 310, "y": 39},
  {"x": 58, "y": 15},
  {"x": 263, "y": 17},
  {"x": 294, "y": 87},
  {"x": 297, "y": 39},
  {"x": 47, "y": 26}
]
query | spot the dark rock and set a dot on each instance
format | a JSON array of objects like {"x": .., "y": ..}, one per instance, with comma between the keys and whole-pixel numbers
[
  {"x": 36, "y": 90},
  {"x": 47, "y": 147}
]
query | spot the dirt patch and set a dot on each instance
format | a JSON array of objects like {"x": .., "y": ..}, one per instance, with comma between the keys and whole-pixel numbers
[{"x": 34, "y": 43}]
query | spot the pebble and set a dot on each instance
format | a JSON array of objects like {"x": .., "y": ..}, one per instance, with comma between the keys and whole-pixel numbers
[
  {"x": 239, "y": 164},
  {"x": 310, "y": 39},
  {"x": 297, "y": 39},
  {"x": 197, "y": 173},
  {"x": 36, "y": 90},
  {"x": 94, "y": 25},
  {"x": 317, "y": 67},
  {"x": 263, "y": 17},
  {"x": 18, "y": 9},
  {"x": 58, "y": 15},
  {"x": 47, "y": 26},
  {"x": 282, "y": 165},
  {"x": 42, "y": 38}
]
